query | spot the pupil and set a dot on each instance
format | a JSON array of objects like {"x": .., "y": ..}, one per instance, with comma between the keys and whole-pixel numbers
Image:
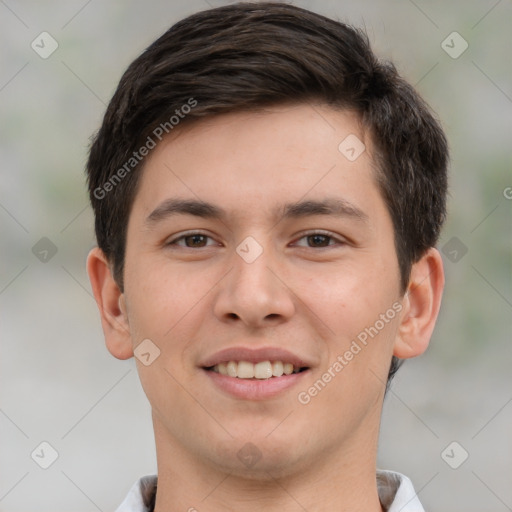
[
  {"x": 196, "y": 240},
  {"x": 319, "y": 240}
]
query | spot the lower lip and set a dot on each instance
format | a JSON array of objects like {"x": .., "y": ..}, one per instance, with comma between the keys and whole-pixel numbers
[{"x": 254, "y": 389}]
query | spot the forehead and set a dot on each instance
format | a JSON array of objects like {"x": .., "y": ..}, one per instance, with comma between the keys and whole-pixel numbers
[{"x": 250, "y": 160}]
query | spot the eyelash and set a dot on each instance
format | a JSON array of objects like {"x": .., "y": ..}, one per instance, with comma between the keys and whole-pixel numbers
[{"x": 326, "y": 234}]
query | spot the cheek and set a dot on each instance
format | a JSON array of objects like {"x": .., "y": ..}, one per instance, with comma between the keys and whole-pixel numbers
[
  {"x": 351, "y": 383},
  {"x": 358, "y": 303},
  {"x": 347, "y": 297},
  {"x": 166, "y": 307},
  {"x": 164, "y": 296}
]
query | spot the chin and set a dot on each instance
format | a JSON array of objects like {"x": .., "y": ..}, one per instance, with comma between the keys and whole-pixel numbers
[{"x": 260, "y": 459}]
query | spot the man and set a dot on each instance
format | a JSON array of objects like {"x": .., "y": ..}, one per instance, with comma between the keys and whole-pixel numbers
[{"x": 267, "y": 197}]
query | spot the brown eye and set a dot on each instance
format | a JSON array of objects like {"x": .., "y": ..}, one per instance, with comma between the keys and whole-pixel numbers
[
  {"x": 195, "y": 240},
  {"x": 192, "y": 241},
  {"x": 318, "y": 240}
]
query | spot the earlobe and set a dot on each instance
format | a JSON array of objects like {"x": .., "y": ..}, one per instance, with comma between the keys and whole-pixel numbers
[
  {"x": 111, "y": 304},
  {"x": 421, "y": 306}
]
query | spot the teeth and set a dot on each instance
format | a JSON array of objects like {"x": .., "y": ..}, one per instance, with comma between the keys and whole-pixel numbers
[
  {"x": 245, "y": 370},
  {"x": 232, "y": 368},
  {"x": 262, "y": 370},
  {"x": 277, "y": 369}
]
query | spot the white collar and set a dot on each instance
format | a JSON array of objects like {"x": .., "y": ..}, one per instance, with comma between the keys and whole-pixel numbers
[{"x": 396, "y": 493}]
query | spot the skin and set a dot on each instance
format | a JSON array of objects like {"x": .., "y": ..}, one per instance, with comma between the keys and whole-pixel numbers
[{"x": 312, "y": 296}]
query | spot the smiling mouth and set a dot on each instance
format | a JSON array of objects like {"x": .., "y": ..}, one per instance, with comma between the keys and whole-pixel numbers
[{"x": 261, "y": 370}]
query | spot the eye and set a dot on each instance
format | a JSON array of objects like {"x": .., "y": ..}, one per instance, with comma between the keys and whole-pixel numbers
[
  {"x": 192, "y": 241},
  {"x": 318, "y": 240}
]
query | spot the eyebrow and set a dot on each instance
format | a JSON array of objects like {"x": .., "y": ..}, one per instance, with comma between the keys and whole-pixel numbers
[{"x": 329, "y": 206}]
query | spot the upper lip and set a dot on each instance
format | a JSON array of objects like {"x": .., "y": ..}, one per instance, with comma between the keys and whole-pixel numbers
[{"x": 254, "y": 355}]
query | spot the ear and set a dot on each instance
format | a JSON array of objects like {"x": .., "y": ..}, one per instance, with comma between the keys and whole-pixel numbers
[
  {"x": 421, "y": 306},
  {"x": 111, "y": 303}
]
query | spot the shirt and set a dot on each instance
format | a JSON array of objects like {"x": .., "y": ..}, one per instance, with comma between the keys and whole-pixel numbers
[{"x": 396, "y": 494}]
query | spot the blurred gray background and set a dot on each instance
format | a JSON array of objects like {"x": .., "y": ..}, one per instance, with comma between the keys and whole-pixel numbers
[{"x": 59, "y": 384}]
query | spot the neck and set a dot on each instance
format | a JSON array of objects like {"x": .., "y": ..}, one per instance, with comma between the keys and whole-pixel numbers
[{"x": 342, "y": 480}]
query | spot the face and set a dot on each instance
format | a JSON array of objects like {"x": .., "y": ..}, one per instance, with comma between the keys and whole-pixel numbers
[{"x": 254, "y": 238}]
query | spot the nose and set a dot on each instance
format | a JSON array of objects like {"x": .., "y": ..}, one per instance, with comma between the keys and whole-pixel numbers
[{"x": 255, "y": 293}]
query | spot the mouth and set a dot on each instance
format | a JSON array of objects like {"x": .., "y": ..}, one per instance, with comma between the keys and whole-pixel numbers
[
  {"x": 256, "y": 371},
  {"x": 249, "y": 373},
  {"x": 264, "y": 380}
]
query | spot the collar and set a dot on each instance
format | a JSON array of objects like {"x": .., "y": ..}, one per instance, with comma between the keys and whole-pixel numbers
[{"x": 396, "y": 494}]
